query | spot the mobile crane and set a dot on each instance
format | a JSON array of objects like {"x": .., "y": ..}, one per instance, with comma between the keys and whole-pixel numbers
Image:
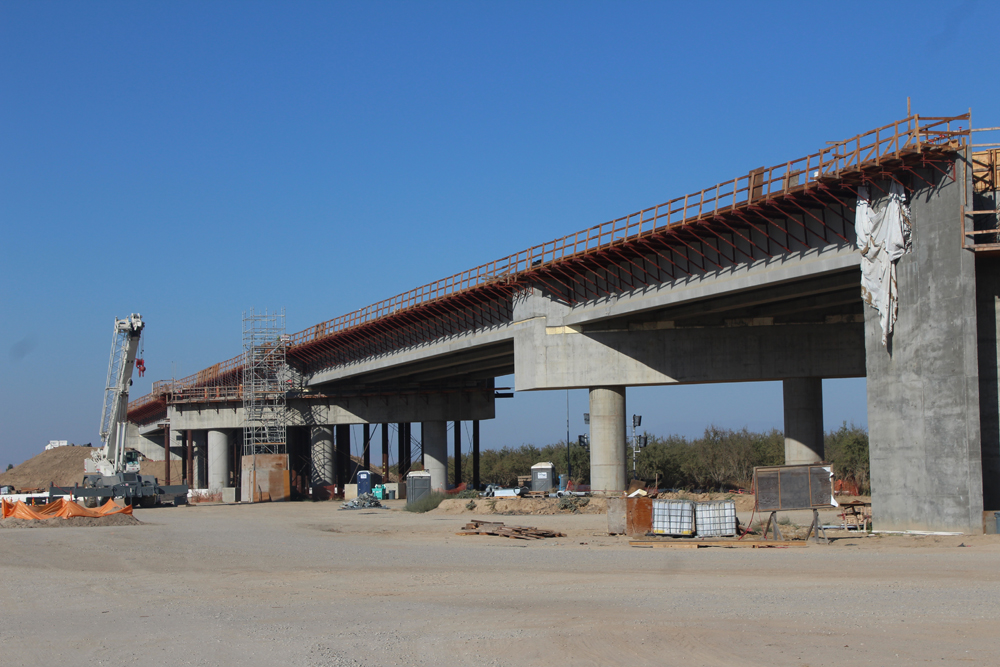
[{"x": 113, "y": 470}]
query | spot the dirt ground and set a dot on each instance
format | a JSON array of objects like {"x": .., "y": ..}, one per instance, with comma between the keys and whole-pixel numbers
[
  {"x": 72, "y": 522},
  {"x": 306, "y": 584},
  {"x": 515, "y": 506}
]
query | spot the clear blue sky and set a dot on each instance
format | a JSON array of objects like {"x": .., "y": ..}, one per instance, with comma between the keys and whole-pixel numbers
[{"x": 191, "y": 160}]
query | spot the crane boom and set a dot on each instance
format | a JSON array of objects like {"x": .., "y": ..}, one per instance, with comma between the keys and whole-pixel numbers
[
  {"x": 113, "y": 472},
  {"x": 124, "y": 345}
]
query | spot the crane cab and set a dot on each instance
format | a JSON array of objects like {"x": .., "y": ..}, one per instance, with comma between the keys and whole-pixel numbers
[{"x": 132, "y": 460}]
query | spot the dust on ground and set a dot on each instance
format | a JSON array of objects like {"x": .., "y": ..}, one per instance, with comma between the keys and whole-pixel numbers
[
  {"x": 303, "y": 584},
  {"x": 73, "y": 522}
]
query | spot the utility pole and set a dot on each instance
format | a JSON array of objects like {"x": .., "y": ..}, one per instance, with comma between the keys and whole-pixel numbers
[
  {"x": 636, "y": 421},
  {"x": 569, "y": 470}
]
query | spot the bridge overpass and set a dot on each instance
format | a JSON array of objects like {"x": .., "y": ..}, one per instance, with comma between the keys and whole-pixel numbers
[{"x": 756, "y": 278}]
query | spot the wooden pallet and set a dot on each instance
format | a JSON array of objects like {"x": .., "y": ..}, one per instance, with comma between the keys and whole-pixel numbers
[
  {"x": 725, "y": 544},
  {"x": 513, "y": 532}
]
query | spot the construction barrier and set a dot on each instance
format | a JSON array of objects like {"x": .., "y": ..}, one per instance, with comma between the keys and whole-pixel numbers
[{"x": 62, "y": 509}]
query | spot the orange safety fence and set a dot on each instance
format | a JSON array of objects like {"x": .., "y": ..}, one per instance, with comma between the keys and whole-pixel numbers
[{"x": 62, "y": 508}]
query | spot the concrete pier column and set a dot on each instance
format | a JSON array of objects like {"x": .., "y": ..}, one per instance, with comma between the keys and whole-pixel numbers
[
  {"x": 343, "y": 466},
  {"x": 607, "y": 438},
  {"x": 200, "y": 445},
  {"x": 435, "y": 448},
  {"x": 408, "y": 444},
  {"x": 189, "y": 459},
  {"x": 218, "y": 460},
  {"x": 803, "y": 398},
  {"x": 366, "y": 452},
  {"x": 402, "y": 465},
  {"x": 475, "y": 454},
  {"x": 458, "y": 453},
  {"x": 166, "y": 453},
  {"x": 321, "y": 456},
  {"x": 385, "y": 452}
]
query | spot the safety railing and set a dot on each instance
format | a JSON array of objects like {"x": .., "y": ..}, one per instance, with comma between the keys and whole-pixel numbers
[
  {"x": 889, "y": 142},
  {"x": 986, "y": 170}
]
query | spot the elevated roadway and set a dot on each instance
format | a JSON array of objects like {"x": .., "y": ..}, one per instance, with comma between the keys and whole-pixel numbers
[{"x": 756, "y": 278}]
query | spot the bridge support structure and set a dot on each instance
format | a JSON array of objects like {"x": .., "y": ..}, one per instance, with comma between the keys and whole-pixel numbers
[
  {"x": 924, "y": 385},
  {"x": 343, "y": 465},
  {"x": 434, "y": 440},
  {"x": 607, "y": 439},
  {"x": 803, "y": 403},
  {"x": 321, "y": 455},
  {"x": 218, "y": 460}
]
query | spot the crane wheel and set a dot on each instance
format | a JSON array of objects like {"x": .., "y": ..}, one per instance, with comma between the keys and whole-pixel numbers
[
  {"x": 90, "y": 501},
  {"x": 147, "y": 501}
]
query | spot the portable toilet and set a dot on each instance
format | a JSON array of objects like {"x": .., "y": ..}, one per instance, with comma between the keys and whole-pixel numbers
[
  {"x": 543, "y": 476},
  {"x": 364, "y": 482},
  {"x": 418, "y": 485}
]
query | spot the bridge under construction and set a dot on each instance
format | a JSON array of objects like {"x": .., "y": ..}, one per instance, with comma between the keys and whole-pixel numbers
[{"x": 756, "y": 278}]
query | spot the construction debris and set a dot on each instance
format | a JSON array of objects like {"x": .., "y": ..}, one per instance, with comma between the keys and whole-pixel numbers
[
  {"x": 364, "y": 501},
  {"x": 700, "y": 544},
  {"x": 573, "y": 503},
  {"x": 513, "y": 532}
]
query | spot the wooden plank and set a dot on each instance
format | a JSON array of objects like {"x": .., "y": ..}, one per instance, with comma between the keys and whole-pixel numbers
[{"x": 497, "y": 528}]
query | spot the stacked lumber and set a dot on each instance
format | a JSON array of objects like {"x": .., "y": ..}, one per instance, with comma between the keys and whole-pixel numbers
[{"x": 513, "y": 532}]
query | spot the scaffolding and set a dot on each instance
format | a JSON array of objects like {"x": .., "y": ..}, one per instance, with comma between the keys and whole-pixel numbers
[{"x": 264, "y": 383}]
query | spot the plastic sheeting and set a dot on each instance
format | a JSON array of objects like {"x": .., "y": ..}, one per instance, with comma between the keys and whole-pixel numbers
[
  {"x": 883, "y": 237},
  {"x": 61, "y": 508}
]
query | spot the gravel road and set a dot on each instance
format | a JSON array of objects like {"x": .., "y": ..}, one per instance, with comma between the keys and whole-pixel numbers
[{"x": 305, "y": 584}]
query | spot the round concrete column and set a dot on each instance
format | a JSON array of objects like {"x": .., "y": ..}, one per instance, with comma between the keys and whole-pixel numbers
[
  {"x": 803, "y": 399},
  {"x": 218, "y": 460},
  {"x": 607, "y": 438},
  {"x": 321, "y": 450},
  {"x": 434, "y": 436},
  {"x": 200, "y": 437}
]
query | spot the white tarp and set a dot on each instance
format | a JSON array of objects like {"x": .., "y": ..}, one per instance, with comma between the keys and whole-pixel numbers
[{"x": 883, "y": 237}]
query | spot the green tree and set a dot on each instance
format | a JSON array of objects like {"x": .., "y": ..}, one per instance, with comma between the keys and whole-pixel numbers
[{"x": 847, "y": 451}]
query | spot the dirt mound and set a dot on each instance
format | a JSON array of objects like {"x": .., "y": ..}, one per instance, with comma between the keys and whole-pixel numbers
[
  {"x": 516, "y": 506},
  {"x": 158, "y": 469},
  {"x": 62, "y": 466},
  {"x": 75, "y": 522}
]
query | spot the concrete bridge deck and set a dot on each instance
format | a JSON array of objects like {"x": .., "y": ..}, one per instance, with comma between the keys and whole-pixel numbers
[{"x": 753, "y": 279}]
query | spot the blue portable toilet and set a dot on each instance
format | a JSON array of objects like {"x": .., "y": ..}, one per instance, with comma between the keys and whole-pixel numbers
[{"x": 364, "y": 482}]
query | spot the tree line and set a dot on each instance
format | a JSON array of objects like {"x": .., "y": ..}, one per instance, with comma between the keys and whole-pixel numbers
[{"x": 721, "y": 459}]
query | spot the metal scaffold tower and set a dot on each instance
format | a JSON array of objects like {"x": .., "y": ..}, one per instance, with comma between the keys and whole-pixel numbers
[{"x": 264, "y": 382}]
